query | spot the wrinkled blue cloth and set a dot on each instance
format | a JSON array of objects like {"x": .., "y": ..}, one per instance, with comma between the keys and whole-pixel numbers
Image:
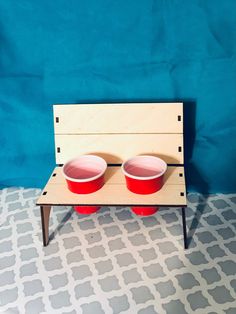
[{"x": 108, "y": 51}]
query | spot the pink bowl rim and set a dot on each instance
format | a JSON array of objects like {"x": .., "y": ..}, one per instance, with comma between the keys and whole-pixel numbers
[
  {"x": 100, "y": 159},
  {"x": 148, "y": 177}
]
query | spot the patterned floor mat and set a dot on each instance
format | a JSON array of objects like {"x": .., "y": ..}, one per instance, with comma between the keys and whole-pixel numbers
[{"x": 116, "y": 262}]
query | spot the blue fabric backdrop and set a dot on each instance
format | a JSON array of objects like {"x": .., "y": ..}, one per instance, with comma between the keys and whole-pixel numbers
[{"x": 108, "y": 51}]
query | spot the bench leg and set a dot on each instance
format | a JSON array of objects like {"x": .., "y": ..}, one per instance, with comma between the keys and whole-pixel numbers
[
  {"x": 184, "y": 228},
  {"x": 45, "y": 215}
]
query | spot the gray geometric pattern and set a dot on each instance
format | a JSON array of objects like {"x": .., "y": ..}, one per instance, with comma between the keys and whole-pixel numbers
[{"x": 116, "y": 262}]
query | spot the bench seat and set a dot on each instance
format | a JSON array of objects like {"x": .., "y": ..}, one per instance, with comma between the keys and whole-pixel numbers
[{"x": 114, "y": 192}]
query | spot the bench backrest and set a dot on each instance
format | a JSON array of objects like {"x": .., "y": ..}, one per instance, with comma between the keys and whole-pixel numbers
[{"x": 117, "y": 132}]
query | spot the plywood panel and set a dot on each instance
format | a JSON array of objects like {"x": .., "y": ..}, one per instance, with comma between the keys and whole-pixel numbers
[
  {"x": 115, "y": 148},
  {"x": 113, "y": 194},
  {"x": 114, "y": 175},
  {"x": 118, "y": 118}
]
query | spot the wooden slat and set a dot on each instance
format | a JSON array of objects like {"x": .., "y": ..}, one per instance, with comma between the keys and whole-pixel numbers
[
  {"x": 114, "y": 175},
  {"x": 115, "y": 148},
  {"x": 118, "y": 118},
  {"x": 114, "y": 192}
]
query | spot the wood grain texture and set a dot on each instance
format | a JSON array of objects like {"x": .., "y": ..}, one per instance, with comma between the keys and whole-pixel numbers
[
  {"x": 116, "y": 148},
  {"x": 118, "y": 118},
  {"x": 114, "y": 192}
]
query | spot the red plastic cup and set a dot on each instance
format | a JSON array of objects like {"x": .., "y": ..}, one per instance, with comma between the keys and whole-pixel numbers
[
  {"x": 144, "y": 210},
  {"x": 144, "y": 174},
  {"x": 86, "y": 210},
  {"x": 84, "y": 175}
]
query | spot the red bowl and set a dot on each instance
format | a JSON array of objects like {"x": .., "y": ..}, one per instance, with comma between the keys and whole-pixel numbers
[
  {"x": 85, "y": 174},
  {"x": 145, "y": 210},
  {"x": 144, "y": 174}
]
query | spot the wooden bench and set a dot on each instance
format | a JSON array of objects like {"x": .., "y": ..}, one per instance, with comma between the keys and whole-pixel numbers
[{"x": 117, "y": 132}]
